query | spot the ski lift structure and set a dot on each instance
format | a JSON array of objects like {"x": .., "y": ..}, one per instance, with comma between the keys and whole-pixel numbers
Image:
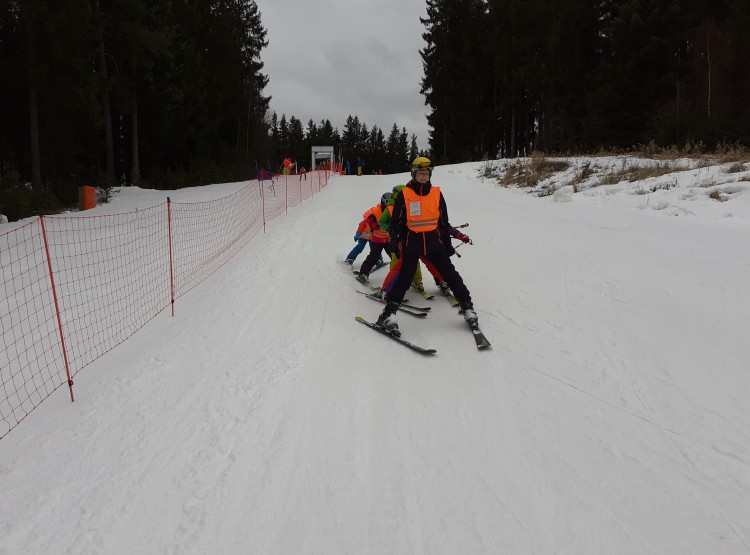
[{"x": 321, "y": 153}]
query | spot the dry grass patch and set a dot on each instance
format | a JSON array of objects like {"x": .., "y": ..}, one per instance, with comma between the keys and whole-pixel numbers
[
  {"x": 529, "y": 174},
  {"x": 637, "y": 173},
  {"x": 736, "y": 168},
  {"x": 706, "y": 183},
  {"x": 586, "y": 170},
  {"x": 732, "y": 153},
  {"x": 723, "y": 152}
]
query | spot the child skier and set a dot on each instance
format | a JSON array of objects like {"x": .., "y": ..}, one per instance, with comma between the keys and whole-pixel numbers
[
  {"x": 363, "y": 235},
  {"x": 379, "y": 239}
]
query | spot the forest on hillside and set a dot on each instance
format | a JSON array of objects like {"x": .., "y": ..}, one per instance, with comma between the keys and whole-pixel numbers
[
  {"x": 391, "y": 154},
  {"x": 506, "y": 77},
  {"x": 106, "y": 92},
  {"x": 171, "y": 93}
]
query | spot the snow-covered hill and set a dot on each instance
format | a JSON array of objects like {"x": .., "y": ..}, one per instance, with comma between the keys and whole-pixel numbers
[{"x": 610, "y": 416}]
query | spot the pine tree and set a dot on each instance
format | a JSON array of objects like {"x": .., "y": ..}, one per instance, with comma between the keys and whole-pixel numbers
[
  {"x": 392, "y": 149},
  {"x": 641, "y": 48},
  {"x": 296, "y": 139},
  {"x": 413, "y": 149},
  {"x": 455, "y": 69}
]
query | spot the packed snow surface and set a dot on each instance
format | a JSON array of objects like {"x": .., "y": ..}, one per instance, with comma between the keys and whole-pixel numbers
[{"x": 611, "y": 415}]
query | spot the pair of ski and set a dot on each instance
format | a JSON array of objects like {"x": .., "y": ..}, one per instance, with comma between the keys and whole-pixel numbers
[
  {"x": 429, "y": 296},
  {"x": 419, "y": 312},
  {"x": 379, "y": 264}
]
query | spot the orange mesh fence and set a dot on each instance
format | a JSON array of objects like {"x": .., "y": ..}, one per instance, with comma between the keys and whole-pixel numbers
[
  {"x": 111, "y": 276},
  {"x": 75, "y": 287},
  {"x": 31, "y": 362},
  {"x": 207, "y": 234}
]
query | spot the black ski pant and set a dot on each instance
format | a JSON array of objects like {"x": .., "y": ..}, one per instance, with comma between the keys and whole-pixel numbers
[
  {"x": 442, "y": 263},
  {"x": 372, "y": 258}
]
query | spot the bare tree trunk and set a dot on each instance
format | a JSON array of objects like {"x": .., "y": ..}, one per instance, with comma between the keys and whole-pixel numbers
[
  {"x": 677, "y": 95},
  {"x": 247, "y": 128},
  {"x": 445, "y": 141},
  {"x": 239, "y": 134},
  {"x": 36, "y": 166},
  {"x": 106, "y": 108},
  {"x": 135, "y": 168},
  {"x": 513, "y": 145},
  {"x": 135, "y": 163},
  {"x": 708, "y": 59}
]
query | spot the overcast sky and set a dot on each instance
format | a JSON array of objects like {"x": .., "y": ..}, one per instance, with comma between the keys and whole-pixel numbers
[{"x": 332, "y": 58}]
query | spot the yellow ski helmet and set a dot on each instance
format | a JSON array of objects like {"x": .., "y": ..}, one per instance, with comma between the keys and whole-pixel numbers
[{"x": 421, "y": 163}]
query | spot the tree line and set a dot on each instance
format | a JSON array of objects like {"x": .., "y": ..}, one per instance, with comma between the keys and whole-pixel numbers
[
  {"x": 101, "y": 92},
  {"x": 390, "y": 154},
  {"x": 158, "y": 93},
  {"x": 505, "y": 77},
  {"x": 170, "y": 93}
]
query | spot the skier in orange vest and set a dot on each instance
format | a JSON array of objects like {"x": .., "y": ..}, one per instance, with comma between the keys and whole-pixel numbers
[
  {"x": 379, "y": 240},
  {"x": 420, "y": 227}
]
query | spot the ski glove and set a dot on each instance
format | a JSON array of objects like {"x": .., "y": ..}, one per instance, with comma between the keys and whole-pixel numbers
[
  {"x": 395, "y": 247},
  {"x": 463, "y": 238},
  {"x": 446, "y": 240},
  {"x": 357, "y": 236}
]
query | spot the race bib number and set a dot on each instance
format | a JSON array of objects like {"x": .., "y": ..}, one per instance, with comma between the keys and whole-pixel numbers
[{"x": 415, "y": 208}]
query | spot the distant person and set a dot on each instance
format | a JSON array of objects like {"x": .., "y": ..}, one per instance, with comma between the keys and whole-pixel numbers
[
  {"x": 348, "y": 168},
  {"x": 302, "y": 172},
  {"x": 360, "y": 166},
  {"x": 420, "y": 227},
  {"x": 288, "y": 165}
]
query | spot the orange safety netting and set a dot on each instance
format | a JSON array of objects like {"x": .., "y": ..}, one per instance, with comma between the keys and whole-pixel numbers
[{"x": 75, "y": 287}]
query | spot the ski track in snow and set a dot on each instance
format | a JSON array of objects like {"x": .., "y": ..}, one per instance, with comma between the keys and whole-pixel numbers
[{"x": 610, "y": 415}]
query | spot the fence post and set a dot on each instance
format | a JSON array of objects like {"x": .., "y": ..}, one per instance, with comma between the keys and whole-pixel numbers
[
  {"x": 263, "y": 203},
  {"x": 57, "y": 309},
  {"x": 171, "y": 261}
]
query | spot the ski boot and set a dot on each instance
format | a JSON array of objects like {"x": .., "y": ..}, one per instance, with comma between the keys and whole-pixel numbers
[
  {"x": 470, "y": 315},
  {"x": 364, "y": 279},
  {"x": 387, "y": 319},
  {"x": 445, "y": 289},
  {"x": 349, "y": 261}
]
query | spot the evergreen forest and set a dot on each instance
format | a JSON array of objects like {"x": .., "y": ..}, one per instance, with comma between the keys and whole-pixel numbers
[
  {"x": 139, "y": 92},
  {"x": 506, "y": 77},
  {"x": 171, "y": 93}
]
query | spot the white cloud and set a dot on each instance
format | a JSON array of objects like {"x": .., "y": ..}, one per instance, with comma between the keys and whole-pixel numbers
[{"x": 333, "y": 58}]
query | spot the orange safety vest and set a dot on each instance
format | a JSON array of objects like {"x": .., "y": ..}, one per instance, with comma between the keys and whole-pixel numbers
[
  {"x": 375, "y": 211},
  {"x": 422, "y": 213},
  {"x": 381, "y": 234}
]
